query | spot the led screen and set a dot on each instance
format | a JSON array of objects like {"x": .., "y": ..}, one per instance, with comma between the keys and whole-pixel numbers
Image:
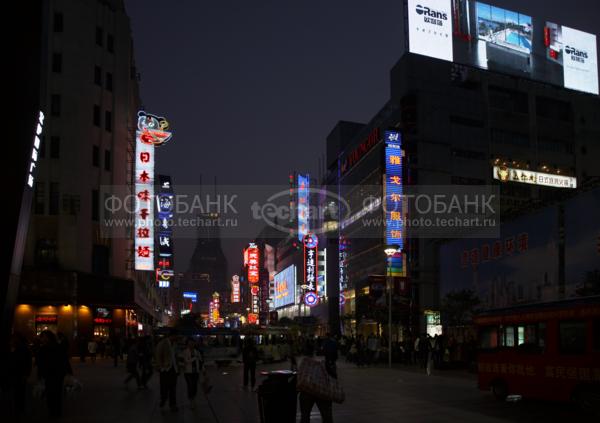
[
  {"x": 285, "y": 287},
  {"x": 482, "y": 35}
]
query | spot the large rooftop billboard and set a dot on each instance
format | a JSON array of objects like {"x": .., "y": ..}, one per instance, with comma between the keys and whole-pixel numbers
[{"x": 479, "y": 34}]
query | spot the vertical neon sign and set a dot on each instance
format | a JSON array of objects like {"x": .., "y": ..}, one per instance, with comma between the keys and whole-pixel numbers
[
  {"x": 303, "y": 205},
  {"x": 151, "y": 132},
  {"x": 311, "y": 266},
  {"x": 394, "y": 216}
]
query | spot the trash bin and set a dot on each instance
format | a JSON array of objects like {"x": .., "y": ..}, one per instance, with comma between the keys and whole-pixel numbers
[{"x": 277, "y": 397}]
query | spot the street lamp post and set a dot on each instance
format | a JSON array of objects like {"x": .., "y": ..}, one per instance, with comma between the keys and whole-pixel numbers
[{"x": 390, "y": 250}]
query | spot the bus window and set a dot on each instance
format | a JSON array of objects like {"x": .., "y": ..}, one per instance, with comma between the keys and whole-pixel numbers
[
  {"x": 596, "y": 334},
  {"x": 509, "y": 336},
  {"x": 572, "y": 337},
  {"x": 488, "y": 337},
  {"x": 531, "y": 338}
]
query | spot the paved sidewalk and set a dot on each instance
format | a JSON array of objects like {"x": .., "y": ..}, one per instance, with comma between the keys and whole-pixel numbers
[{"x": 373, "y": 394}]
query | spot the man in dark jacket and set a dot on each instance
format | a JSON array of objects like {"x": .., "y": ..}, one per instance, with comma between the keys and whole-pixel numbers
[
  {"x": 249, "y": 357},
  {"x": 52, "y": 368}
]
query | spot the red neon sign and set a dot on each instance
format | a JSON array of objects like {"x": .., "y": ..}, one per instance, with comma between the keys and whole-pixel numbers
[{"x": 252, "y": 254}]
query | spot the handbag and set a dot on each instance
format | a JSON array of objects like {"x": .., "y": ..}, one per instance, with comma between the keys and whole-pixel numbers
[
  {"x": 313, "y": 379},
  {"x": 39, "y": 389}
]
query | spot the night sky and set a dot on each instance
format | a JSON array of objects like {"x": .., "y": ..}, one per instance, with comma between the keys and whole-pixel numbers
[{"x": 252, "y": 88}]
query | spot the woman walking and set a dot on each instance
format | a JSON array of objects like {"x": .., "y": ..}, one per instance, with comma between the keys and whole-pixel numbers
[{"x": 191, "y": 372}]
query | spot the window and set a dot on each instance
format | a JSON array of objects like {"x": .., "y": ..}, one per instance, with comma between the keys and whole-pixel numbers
[
  {"x": 97, "y": 76},
  {"x": 99, "y": 36},
  {"x": 96, "y": 115},
  {"x": 40, "y": 197},
  {"x": 596, "y": 343},
  {"x": 571, "y": 337},
  {"x": 488, "y": 337},
  {"x": 109, "y": 81},
  {"x": 107, "y": 160},
  {"x": 55, "y": 104},
  {"x": 95, "y": 205},
  {"x": 508, "y": 100},
  {"x": 551, "y": 108},
  {"x": 108, "y": 120},
  {"x": 100, "y": 259},
  {"x": 43, "y": 147},
  {"x": 500, "y": 136},
  {"x": 58, "y": 22},
  {"x": 95, "y": 156},
  {"x": 56, "y": 62},
  {"x": 54, "y": 198},
  {"x": 110, "y": 43},
  {"x": 45, "y": 253},
  {"x": 54, "y": 147}
]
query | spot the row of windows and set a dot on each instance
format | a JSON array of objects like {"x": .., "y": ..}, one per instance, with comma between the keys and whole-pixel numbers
[
  {"x": 55, "y": 153},
  {"x": 108, "y": 80},
  {"x": 58, "y": 26},
  {"x": 55, "y": 110},
  {"x": 71, "y": 203},
  {"x": 572, "y": 337}
]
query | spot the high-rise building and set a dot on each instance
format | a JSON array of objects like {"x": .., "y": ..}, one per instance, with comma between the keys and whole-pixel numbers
[
  {"x": 76, "y": 278},
  {"x": 457, "y": 125}
]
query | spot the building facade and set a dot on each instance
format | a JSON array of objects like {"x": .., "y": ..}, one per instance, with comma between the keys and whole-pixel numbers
[{"x": 76, "y": 277}]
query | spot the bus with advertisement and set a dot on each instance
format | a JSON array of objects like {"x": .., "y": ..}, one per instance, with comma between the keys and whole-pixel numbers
[{"x": 548, "y": 351}]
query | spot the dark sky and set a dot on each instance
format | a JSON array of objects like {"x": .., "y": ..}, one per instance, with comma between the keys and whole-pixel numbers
[{"x": 252, "y": 88}]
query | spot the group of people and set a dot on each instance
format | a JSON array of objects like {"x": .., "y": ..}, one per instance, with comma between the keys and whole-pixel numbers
[{"x": 49, "y": 355}]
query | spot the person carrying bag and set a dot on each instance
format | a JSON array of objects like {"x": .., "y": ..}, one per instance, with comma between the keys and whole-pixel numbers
[{"x": 318, "y": 385}]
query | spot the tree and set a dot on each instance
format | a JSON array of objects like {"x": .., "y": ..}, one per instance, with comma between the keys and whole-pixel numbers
[{"x": 458, "y": 307}]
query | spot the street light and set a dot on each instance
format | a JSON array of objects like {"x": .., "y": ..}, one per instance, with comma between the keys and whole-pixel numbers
[{"x": 389, "y": 251}]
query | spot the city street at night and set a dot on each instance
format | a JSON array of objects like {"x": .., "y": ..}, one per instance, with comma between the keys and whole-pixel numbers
[
  {"x": 374, "y": 394},
  {"x": 334, "y": 211}
]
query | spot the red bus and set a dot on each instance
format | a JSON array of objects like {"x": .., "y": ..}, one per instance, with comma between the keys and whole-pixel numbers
[{"x": 548, "y": 351}]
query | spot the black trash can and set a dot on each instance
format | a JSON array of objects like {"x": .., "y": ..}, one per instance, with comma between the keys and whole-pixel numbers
[{"x": 277, "y": 397}]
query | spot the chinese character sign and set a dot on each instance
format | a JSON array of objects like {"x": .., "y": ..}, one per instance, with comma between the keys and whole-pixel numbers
[
  {"x": 394, "y": 216},
  {"x": 310, "y": 262},
  {"x": 252, "y": 259},
  {"x": 303, "y": 206},
  {"x": 144, "y": 197},
  {"x": 235, "y": 289}
]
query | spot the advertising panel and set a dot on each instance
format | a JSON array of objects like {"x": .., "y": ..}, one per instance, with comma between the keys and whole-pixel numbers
[
  {"x": 519, "y": 267},
  {"x": 394, "y": 215},
  {"x": 485, "y": 36},
  {"x": 303, "y": 204},
  {"x": 164, "y": 208},
  {"x": 582, "y": 245},
  {"x": 285, "y": 287},
  {"x": 430, "y": 29},
  {"x": 509, "y": 174}
]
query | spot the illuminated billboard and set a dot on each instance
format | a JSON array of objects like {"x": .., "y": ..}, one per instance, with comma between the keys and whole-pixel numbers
[
  {"x": 482, "y": 35},
  {"x": 394, "y": 216},
  {"x": 285, "y": 287},
  {"x": 509, "y": 174},
  {"x": 303, "y": 204}
]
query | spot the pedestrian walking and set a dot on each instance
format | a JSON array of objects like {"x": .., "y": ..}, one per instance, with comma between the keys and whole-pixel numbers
[
  {"x": 307, "y": 400},
  {"x": 18, "y": 369},
  {"x": 92, "y": 349},
  {"x": 166, "y": 359},
  {"x": 63, "y": 343},
  {"x": 145, "y": 354},
  {"x": 131, "y": 364},
  {"x": 52, "y": 368},
  {"x": 116, "y": 349},
  {"x": 191, "y": 372},
  {"x": 330, "y": 351},
  {"x": 249, "y": 358}
]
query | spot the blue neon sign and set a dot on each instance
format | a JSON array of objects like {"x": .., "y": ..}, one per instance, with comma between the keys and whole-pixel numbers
[{"x": 394, "y": 217}]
